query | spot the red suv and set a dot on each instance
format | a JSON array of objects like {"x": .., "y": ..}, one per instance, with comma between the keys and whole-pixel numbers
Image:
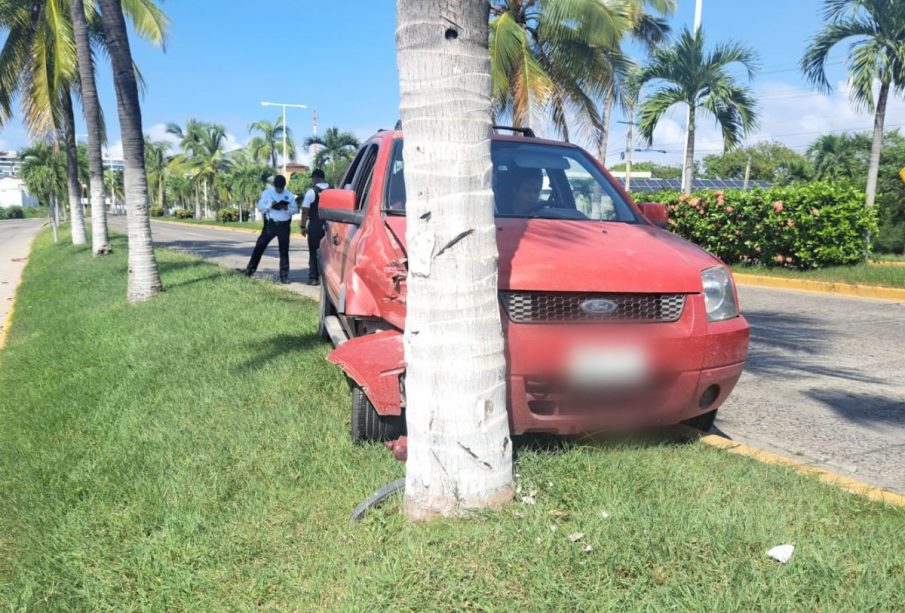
[{"x": 610, "y": 321}]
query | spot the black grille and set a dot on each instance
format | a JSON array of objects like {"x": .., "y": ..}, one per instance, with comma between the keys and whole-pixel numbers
[{"x": 537, "y": 307}]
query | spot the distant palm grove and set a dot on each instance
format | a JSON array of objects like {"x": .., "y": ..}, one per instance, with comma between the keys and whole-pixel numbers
[{"x": 560, "y": 66}]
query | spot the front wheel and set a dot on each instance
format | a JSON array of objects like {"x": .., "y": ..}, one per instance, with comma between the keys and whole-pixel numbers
[
  {"x": 702, "y": 422},
  {"x": 370, "y": 426}
]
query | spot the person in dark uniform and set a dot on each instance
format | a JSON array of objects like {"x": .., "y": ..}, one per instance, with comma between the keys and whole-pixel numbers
[
  {"x": 315, "y": 227},
  {"x": 277, "y": 204}
]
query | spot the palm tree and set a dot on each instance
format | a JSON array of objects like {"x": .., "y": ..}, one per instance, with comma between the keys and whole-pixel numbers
[
  {"x": 246, "y": 179},
  {"x": 150, "y": 22},
  {"x": 648, "y": 29},
  {"x": 556, "y": 54},
  {"x": 144, "y": 276},
  {"x": 877, "y": 54},
  {"x": 44, "y": 172},
  {"x": 840, "y": 156},
  {"x": 685, "y": 73},
  {"x": 335, "y": 151},
  {"x": 157, "y": 167},
  {"x": 203, "y": 156},
  {"x": 270, "y": 142},
  {"x": 459, "y": 452},
  {"x": 39, "y": 63}
]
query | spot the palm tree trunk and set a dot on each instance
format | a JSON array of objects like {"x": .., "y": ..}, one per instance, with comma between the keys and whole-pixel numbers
[
  {"x": 144, "y": 276},
  {"x": 100, "y": 240},
  {"x": 72, "y": 171},
  {"x": 54, "y": 217},
  {"x": 688, "y": 170},
  {"x": 877, "y": 144},
  {"x": 459, "y": 451},
  {"x": 605, "y": 116}
]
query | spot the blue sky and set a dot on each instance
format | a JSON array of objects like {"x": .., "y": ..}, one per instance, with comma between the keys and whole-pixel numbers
[{"x": 224, "y": 57}]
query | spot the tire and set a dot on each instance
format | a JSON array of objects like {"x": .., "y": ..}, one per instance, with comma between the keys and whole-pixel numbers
[
  {"x": 702, "y": 422},
  {"x": 368, "y": 426},
  {"x": 325, "y": 310}
]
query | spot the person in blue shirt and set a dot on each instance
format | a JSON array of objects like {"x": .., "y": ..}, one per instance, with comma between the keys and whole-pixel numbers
[{"x": 277, "y": 204}]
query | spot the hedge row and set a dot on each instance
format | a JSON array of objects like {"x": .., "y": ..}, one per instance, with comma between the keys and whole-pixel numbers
[
  {"x": 802, "y": 226},
  {"x": 13, "y": 212}
]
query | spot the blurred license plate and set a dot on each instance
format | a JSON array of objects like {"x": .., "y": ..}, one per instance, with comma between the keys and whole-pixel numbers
[{"x": 609, "y": 366}]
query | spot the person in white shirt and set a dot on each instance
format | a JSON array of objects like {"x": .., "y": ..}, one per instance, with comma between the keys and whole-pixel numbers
[
  {"x": 277, "y": 204},
  {"x": 315, "y": 227}
]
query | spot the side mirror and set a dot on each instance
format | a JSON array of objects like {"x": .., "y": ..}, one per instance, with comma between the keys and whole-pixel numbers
[
  {"x": 339, "y": 205},
  {"x": 655, "y": 213}
]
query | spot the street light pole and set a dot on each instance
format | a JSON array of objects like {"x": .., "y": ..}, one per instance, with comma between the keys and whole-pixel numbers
[{"x": 285, "y": 127}]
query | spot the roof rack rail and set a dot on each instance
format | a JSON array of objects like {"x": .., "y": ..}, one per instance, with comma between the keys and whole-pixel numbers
[{"x": 526, "y": 132}]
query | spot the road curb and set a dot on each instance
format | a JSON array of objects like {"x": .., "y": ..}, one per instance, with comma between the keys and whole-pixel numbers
[
  {"x": 858, "y": 488},
  {"x": 8, "y": 319},
  {"x": 823, "y": 287},
  {"x": 208, "y": 226}
]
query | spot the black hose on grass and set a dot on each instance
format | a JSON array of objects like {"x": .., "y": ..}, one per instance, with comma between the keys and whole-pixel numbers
[{"x": 377, "y": 497}]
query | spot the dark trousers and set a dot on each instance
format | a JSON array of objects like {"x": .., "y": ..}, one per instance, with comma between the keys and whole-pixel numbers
[
  {"x": 272, "y": 229},
  {"x": 315, "y": 234}
]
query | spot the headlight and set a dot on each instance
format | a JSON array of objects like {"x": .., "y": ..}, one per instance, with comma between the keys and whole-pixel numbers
[{"x": 719, "y": 295}]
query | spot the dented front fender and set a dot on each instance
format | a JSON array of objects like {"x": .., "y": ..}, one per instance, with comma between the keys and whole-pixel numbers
[{"x": 375, "y": 362}]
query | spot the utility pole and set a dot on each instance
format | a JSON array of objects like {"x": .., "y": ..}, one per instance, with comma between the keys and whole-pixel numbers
[
  {"x": 314, "y": 134},
  {"x": 747, "y": 173},
  {"x": 629, "y": 138},
  {"x": 698, "y": 17}
]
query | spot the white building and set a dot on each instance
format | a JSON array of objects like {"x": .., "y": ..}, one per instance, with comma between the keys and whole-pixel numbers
[
  {"x": 14, "y": 193},
  {"x": 10, "y": 163}
]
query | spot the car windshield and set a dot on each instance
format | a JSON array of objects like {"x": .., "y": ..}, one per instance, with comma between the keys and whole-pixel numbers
[{"x": 535, "y": 181}]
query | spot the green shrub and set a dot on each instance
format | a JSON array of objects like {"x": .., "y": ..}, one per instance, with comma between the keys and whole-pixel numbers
[
  {"x": 804, "y": 226},
  {"x": 12, "y": 212},
  {"x": 156, "y": 211},
  {"x": 183, "y": 214},
  {"x": 228, "y": 215},
  {"x": 890, "y": 238}
]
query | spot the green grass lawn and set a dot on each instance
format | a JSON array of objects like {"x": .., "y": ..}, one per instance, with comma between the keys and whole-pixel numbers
[
  {"x": 861, "y": 274},
  {"x": 192, "y": 453},
  {"x": 254, "y": 225}
]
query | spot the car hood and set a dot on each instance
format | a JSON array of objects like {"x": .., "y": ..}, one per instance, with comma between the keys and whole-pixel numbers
[{"x": 580, "y": 256}]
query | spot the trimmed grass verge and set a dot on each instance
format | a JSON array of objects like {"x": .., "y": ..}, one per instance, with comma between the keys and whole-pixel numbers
[
  {"x": 192, "y": 453},
  {"x": 861, "y": 274},
  {"x": 245, "y": 225}
]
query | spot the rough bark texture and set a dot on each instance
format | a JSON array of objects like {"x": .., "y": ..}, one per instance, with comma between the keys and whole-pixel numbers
[
  {"x": 72, "y": 171},
  {"x": 877, "y": 144},
  {"x": 688, "y": 170},
  {"x": 605, "y": 116},
  {"x": 459, "y": 449},
  {"x": 144, "y": 276},
  {"x": 100, "y": 240}
]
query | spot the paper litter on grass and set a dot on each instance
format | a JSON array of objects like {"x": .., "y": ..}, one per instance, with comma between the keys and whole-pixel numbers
[{"x": 781, "y": 553}]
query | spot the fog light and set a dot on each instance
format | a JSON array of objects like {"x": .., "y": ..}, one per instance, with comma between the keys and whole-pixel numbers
[{"x": 709, "y": 396}]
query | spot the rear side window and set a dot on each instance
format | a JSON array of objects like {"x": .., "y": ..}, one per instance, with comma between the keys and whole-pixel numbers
[{"x": 533, "y": 180}]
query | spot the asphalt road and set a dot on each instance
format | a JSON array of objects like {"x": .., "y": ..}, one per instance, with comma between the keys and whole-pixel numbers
[
  {"x": 231, "y": 249},
  {"x": 15, "y": 241},
  {"x": 823, "y": 384}
]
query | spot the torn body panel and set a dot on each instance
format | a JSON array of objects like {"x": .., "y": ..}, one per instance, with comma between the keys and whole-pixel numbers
[{"x": 375, "y": 362}]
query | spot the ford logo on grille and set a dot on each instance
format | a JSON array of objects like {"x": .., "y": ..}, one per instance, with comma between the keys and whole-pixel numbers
[{"x": 598, "y": 307}]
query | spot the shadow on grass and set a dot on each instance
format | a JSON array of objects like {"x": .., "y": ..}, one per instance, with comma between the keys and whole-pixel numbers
[
  {"x": 266, "y": 350},
  {"x": 551, "y": 444}
]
